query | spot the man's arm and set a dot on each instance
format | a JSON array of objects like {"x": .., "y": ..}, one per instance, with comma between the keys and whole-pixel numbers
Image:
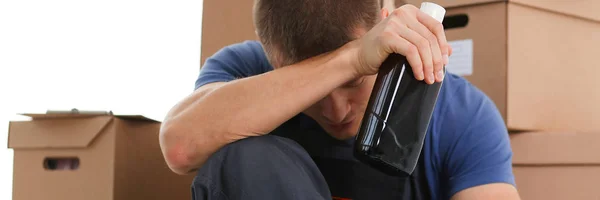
[
  {"x": 219, "y": 113},
  {"x": 492, "y": 191},
  {"x": 475, "y": 150}
]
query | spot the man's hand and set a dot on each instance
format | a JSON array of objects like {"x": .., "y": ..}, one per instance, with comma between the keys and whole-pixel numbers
[{"x": 409, "y": 32}]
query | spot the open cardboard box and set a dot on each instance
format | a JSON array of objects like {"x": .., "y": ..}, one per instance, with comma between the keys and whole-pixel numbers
[
  {"x": 557, "y": 165},
  {"x": 91, "y": 155}
]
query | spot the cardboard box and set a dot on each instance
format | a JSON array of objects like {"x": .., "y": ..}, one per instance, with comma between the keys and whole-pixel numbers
[
  {"x": 536, "y": 59},
  {"x": 92, "y": 157},
  {"x": 224, "y": 24},
  {"x": 557, "y": 165}
]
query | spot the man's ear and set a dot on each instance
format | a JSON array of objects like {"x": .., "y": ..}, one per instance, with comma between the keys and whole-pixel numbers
[{"x": 384, "y": 13}]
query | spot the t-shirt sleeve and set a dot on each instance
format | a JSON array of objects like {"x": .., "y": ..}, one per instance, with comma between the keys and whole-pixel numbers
[
  {"x": 477, "y": 151},
  {"x": 233, "y": 62}
]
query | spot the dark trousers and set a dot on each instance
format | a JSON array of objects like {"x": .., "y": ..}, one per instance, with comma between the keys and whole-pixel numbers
[{"x": 265, "y": 167}]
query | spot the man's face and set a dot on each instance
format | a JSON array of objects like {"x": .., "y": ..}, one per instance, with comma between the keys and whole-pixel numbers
[{"x": 340, "y": 113}]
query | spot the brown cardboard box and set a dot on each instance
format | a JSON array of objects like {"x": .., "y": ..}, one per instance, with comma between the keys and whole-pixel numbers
[
  {"x": 557, "y": 165},
  {"x": 119, "y": 158},
  {"x": 536, "y": 59},
  {"x": 225, "y": 23}
]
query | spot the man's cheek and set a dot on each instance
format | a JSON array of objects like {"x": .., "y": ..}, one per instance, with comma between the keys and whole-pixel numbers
[{"x": 312, "y": 111}]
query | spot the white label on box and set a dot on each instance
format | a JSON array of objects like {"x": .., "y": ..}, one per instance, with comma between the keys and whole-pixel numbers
[{"x": 461, "y": 60}]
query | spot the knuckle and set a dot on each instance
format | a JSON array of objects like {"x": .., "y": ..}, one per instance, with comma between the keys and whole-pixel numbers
[
  {"x": 412, "y": 50},
  {"x": 387, "y": 35},
  {"x": 444, "y": 48},
  {"x": 431, "y": 38},
  {"x": 423, "y": 43},
  {"x": 437, "y": 63},
  {"x": 397, "y": 12},
  {"x": 429, "y": 66},
  {"x": 427, "y": 69}
]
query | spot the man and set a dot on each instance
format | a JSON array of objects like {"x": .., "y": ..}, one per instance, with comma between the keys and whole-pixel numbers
[{"x": 276, "y": 119}]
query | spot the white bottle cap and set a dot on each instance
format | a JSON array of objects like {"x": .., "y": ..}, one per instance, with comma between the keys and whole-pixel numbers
[{"x": 433, "y": 10}]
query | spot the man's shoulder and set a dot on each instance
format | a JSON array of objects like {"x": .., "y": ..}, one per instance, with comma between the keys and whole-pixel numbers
[
  {"x": 458, "y": 93},
  {"x": 247, "y": 45},
  {"x": 234, "y": 61},
  {"x": 248, "y": 52},
  {"x": 242, "y": 49},
  {"x": 462, "y": 108}
]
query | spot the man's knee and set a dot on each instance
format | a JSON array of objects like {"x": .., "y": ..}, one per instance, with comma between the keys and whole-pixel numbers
[
  {"x": 257, "y": 165},
  {"x": 253, "y": 154},
  {"x": 253, "y": 168},
  {"x": 259, "y": 145},
  {"x": 265, "y": 147}
]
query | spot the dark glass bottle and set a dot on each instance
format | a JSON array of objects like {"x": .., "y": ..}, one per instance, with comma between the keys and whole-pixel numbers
[{"x": 395, "y": 123}]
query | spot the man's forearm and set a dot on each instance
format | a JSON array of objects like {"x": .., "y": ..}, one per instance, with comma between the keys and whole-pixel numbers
[{"x": 247, "y": 107}]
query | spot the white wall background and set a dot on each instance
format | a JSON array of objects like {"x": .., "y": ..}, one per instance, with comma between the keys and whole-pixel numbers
[{"x": 128, "y": 56}]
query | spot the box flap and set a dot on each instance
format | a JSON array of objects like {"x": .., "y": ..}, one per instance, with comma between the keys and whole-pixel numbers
[
  {"x": 75, "y": 113},
  {"x": 59, "y": 115},
  {"x": 56, "y": 132},
  {"x": 555, "y": 148},
  {"x": 582, "y": 9},
  {"x": 136, "y": 117}
]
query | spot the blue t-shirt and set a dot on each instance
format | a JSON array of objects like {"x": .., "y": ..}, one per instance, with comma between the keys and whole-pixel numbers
[{"x": 466, "y": 145}]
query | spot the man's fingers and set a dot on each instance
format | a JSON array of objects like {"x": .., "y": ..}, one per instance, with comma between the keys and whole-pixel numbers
[
  {"x": 428, "y": 37},
  {"x": 424, "y": 50},
  {"x": 436, "y": 52},
  {"x": 411, "y": 52},
  {"x": 438, "y": 30}
]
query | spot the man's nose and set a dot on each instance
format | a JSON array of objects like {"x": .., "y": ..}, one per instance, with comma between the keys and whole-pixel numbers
[{"x": 335, "y": 107}]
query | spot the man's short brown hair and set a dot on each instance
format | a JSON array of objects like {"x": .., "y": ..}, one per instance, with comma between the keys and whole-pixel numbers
[{"x": 300, "y": 29}]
